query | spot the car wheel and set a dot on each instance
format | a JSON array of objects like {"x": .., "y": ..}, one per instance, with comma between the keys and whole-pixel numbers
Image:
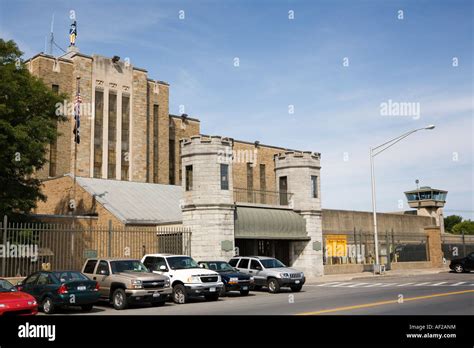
[
  {"x": 273, "y": 285},
  {"x": 223, "y": 292},
  {"x": 244, "y": 292},
  {"x": 48, "y": 306},
  {"x": 296, "y": 288},
  {"x": 119, "y": 299},
  {"x": 211, "y": 297},
  {"x": 87, "y": 308},
  {"x": 179, "y": 294},
  {"x": 458, "y": 268}
]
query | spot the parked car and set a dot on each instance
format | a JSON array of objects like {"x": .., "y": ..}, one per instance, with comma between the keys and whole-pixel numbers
[
  {"x": 233, "y": 279},
  {"x": 56, "y": 289},
  {"x": 15, "y": 302},
  {"x": 188, "y": 279},
  {"x": 463, "y": 264},
  {"x": 269, "y": 272},
  {"x": 127, "y": 281}
]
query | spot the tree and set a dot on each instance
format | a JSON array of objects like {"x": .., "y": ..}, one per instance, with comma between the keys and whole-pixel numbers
[
  {"x": 450, "y": 221},
  {"x": 27, "y": 125},
  {"x": 466, "y": 226}
]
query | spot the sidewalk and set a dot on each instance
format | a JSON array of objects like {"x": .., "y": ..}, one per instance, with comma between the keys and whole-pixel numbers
[{"x": 370, "y": 275}]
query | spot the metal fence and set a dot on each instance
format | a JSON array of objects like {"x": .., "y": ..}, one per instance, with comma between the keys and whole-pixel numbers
[
  {"x": 456, "y": 245},
  {"x": 29, "y": 247},
  {"x": 242, "y": 195},
  {"x": 358, "y": 247}
]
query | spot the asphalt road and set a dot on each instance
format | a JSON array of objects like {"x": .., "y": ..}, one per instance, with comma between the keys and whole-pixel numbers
[{"x": 435, "y": 294}]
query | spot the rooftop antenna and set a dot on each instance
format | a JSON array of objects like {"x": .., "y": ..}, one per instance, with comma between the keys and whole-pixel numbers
[{"x": 51, "y": 37}]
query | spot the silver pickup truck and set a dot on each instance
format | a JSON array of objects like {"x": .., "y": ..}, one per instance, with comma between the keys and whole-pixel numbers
[{"x": 127, "y": 281}]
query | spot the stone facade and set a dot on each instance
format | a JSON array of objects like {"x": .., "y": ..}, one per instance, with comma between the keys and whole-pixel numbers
[
  {"x": 58, "y": 72},
  {"x": 179, "y": 129},
  {"x": 299, "y": 168},
  {"x": 98, "y": 73},
  {"x": 262, "y": 165},
  {"x": 207, "y": 208}
]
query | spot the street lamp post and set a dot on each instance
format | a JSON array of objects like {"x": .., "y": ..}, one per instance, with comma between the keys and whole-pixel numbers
[{"x": 374, "y": 151}]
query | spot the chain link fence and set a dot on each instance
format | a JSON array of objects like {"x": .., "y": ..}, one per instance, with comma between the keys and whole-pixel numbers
[{"x": 29, "y": 247}]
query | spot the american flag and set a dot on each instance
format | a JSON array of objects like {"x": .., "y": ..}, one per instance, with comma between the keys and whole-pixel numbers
[{"x": 77, "y": 116}]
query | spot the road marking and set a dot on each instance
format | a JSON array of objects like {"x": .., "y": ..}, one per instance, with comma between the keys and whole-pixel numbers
[
  {"x": 388, "y": 284},
  {"x": 381, "y": 303},
  {"x": 458, "y": 283},
  {"x": 326, "y": 284},
  {"x": 356, "y": 284},
  {"x": 371, "y": 285},
  {"x": 342, "y": 285},
  {"x": 406, "y": 284},
  {"x": 438, "y": 284},
  {"x": 421, "y": 284}
]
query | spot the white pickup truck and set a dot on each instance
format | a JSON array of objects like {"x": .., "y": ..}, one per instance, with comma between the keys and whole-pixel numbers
[{"x": 187, "y": 277}]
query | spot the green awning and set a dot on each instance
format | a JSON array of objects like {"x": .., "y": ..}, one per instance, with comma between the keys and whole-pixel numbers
[{"x": 265, "y": 223}]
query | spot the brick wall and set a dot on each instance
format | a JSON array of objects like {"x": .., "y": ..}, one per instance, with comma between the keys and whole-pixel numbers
[
  {"x": 158, "y": 94},
  {"x": 264, "y": 155},
  {"x": 139, "y": 126},
  {"x": 180, "y": 129},
  {"x": 56, "y": 72}
]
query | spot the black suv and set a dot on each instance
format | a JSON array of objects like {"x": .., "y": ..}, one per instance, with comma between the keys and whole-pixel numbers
[{"x": 464, "y": 264}]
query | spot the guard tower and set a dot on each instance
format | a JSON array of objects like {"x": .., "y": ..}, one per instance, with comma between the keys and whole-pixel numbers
[
  {"x": 208, "y": 205},
  {"x": 299, "y": 173},
  {"x": 428, "y": 202}
]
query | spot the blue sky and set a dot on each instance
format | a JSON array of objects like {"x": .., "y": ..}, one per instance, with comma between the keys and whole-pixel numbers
[{"x": 300, "y": 62}]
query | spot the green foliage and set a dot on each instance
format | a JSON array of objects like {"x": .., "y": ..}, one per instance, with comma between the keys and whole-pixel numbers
[
  {"x": 450, "y": 221},
  {"x": 467, "y": 226},
  {"x": 27, "y": 125},
  {"x": 24, "y": 237}
]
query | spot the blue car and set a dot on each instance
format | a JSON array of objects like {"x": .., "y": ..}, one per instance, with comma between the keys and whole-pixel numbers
[
  {"x": 233, "y": 279},
  {"x": 53, "y": 290}
]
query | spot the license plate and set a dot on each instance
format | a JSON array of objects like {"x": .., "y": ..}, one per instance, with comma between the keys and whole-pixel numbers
[
  {"x": 156, "y": 295},
  {"x": 81, "y": 288},
  {"x": 212, "y": 289},
  {"x": 245, "y": 287},
  {"x": 297, "y": 281}
]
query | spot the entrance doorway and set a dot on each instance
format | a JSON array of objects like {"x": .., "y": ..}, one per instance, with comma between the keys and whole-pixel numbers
[{"x": 279, "y": 249}]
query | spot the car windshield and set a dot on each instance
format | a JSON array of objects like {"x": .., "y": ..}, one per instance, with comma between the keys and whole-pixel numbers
[
  {"x": 128, "y": 266},
  {"x": 69, "y": 276},
  {"x": 182, "y": 262},
  {"x": 218, "y": 266},
  {"x": 6, "y": 286},
  {"x": 272, "y": 263}
]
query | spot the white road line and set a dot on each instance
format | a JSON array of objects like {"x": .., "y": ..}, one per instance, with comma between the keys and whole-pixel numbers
[
  {"x": 421, "y": 284},
  {"x": 388, "y": 284},
  {"x": 340, "y": 285},
  {"x": 371, "y": 285},
  {"x": 438, "y": 284},
  {"x": 356, "y": 284},
  {"x": 405, "y": 284},
  {"x": 326, "y": 284},
  {"x": 458, "y": 283}
]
